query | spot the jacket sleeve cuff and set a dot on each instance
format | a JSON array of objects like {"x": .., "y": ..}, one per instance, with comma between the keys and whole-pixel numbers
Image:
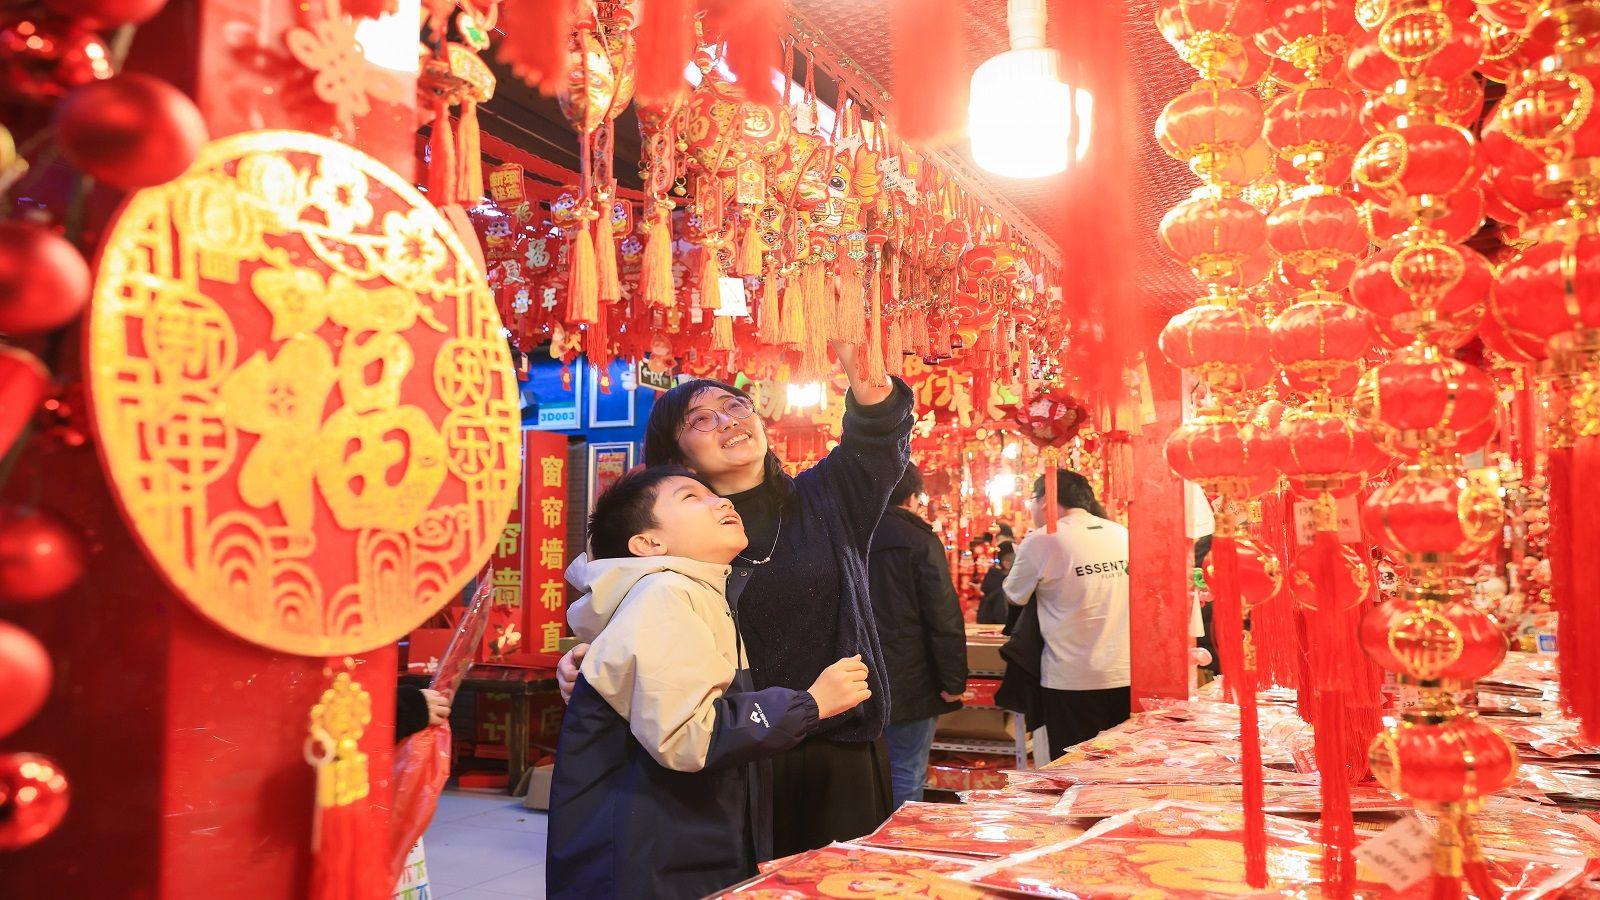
[{"x": 806, "y": 713}]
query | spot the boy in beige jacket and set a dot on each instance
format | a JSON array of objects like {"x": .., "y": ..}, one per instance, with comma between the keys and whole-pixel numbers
[{"x": 658, "y": 786}]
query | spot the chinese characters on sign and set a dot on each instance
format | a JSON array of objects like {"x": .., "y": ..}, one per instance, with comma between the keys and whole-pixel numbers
[{"x": 544, "y": 542}]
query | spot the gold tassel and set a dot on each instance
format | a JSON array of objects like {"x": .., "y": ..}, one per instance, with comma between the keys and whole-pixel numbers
[
  {"x": 794, "y": 317},
  {"x": 769, "y": 319},
  {"x": 750, "y": 249},
  {"x": 877, "y": 373},
  {"x": 722, "y": 333},
  {"x": 710, "y": 279},
  {"x": 655, "y": 274},
  {"x": 605, "y": 248},
  {"x": 442, "y": 156},
  {"x": 583, "y": 289},
  {"x": 894, "y": 351},
  {"x": 818, "y": 303},
  {"x": 851, "y": 313},
  {"x": 469, "y": 157}
]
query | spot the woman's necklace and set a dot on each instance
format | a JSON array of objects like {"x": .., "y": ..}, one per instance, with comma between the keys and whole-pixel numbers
[{"x": 775, "y": 535}]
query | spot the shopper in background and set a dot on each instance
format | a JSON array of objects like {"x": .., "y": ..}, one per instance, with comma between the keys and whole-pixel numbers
[
  {"x": 993, "y": 608},
  {"x": 1079, "y": 577},
  {"x": 920, "y": 630}
]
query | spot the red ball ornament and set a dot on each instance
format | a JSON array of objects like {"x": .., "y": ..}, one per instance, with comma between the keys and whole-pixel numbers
[
  {"x": 1320, "y": 239},
  {"x": 24, "y": 382},
  {"x": 24, "y": 677},
  {"x": 1430, "y": 519},
  {"x": 1214, "y": 35},
  {"x": 44, "y": 281},
  {"x": 34, "y": 796},
  {"x": 40, "y": 555},
  {"x": 1260, "y": 573},
  {"x": 41, "y": 58},
  {"x": 1223, "y": 346},
  {"x": 1320, "y": 344},
  {"x": 1420, "y": 401},
  {"x": 1313, "y": 35},
  {"x": 1433, "y": 642},
  {"x": 1459, "y": 102},
  {"x": 1418, "y": 48},
  {"x": 107, "y": 13},
  {"x": 1514, "y": 345},
  {"x": 131, "y": 131},
  {"x": 1443, "y": 763}
]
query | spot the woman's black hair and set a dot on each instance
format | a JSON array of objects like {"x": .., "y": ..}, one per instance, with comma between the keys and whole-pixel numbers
[
  {"x": 661, "y": 446},
  {"x": 1073, "y": 491}
]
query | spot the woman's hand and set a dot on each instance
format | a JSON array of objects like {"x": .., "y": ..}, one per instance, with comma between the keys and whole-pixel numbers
[
  {"x": 866, "y": 394},
  {"x": 567, "y": 671},
  {"x": 438, "y": 707}
]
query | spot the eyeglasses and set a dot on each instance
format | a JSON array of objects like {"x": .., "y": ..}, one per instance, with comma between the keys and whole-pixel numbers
[{"x": 703, "y": 419}]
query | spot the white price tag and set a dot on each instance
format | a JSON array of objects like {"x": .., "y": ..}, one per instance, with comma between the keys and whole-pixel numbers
[
  {"x": 1349, "y": 521},
  {"x": 1400, "y": 855},
  {"x": 734, "y": 302}
]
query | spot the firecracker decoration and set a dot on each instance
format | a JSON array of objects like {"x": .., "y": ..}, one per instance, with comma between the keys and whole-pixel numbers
[{"x": 351, "y": 545}]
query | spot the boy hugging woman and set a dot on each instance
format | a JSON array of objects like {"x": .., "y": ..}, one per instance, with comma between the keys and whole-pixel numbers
[{"x": 659, "y": 779}]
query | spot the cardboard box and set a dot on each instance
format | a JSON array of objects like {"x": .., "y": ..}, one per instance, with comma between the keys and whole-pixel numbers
[
  {"x": 536, "y": 793},
  {"x": 983, "y": 654},
  {"x": 975, "y": 724}
]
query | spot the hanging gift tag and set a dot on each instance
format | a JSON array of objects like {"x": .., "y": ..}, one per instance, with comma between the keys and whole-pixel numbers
[
  {"x": 734, "y": 301},
  {"x": 506, "y": 185},
  {"x": 1400, "y": 855},
  {"x": 805, "y": 121},
  {"x": 751, "y": 186},
  {"x": 1349, "y": 521}
]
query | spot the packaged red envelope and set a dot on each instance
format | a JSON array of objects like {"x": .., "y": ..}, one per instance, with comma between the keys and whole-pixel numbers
[
  {"x": 848, "y": 870},
  {"x": 1017, "y": 798},
  {"x": 969, "y": 830},
  {"x": 1178, "y": 850},
  {"x": 1506, "y": 823},
  {"x": 1099, "y": 801}
]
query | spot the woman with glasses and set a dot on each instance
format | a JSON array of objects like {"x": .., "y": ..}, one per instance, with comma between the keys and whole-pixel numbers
[{"x": 805, "y": 601}]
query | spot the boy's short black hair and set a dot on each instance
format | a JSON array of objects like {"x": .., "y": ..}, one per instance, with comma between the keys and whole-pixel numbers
[
  {"x": 910, "y": 483},
  {"x": 1005, "y": 548},
  {"x": 627, "y": 509}
]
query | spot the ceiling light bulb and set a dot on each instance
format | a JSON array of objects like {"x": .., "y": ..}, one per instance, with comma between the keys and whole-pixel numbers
[{"x": 1020, "y": 115}]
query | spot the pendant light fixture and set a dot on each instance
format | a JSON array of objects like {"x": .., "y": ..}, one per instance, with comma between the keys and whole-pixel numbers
[{"x": 1020, "y": 115}]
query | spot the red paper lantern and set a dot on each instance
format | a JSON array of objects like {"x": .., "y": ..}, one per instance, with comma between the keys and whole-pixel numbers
[
  {"x": 42, "y": 59},
  {"x": 1213, "y": 35},
  {"x": 1209, "y": 127},
  {"x": 1459, "y": 102},
  {"x": 1422, "y": 159},
  {"x": 131, "y": 131},
  {"x": 1213, "y": 236},
  {"x": 40, "y": 555},
  {"x": 1552, "y": 288},
  {"x": 1261, "y": 578},
  {"x": 1320, "y": 452},
  {"x": 24, "y": 382},
  {"x": 1421, "y": 43},
  {"x": 1513, "y": 344},
  {"x": 1429, "y": 518},
  {"x": 1421, "y": 401},
  {"x": 1320, "y": 239},
  {"x": 1224, "y": 456},
  {"x": 1432, "y": 642},
  {"x": 1461, "y": 218},
  {"x": 1507, "y": 51},
  {"x": 1313, "y": 35},
  {"x": 24, "y": 677},
  {"x": 1511, "y": 15},
  {"x": 1443, "y": 763},
  {"x": 1423, "y": 273},
  {"x": 1315, "y": 133},
  {"x": 33, "y": 799},
  {"x": 1223, "y": 346},
  {"x": 1352, "y": 585},
  {"x": 1320, "y": 344},
  {"x": 44, "y": 282}
]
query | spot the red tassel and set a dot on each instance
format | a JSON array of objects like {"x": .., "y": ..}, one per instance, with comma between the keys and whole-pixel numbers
[
  {"x": 769, "y": 316},
  {"x": 537, "y": 41},
  {"x": 665, "y": 38},
  {"x": 1052, "y": 510},
  {"x": 442, "y": 155},
  {"x": 1473, "y": 865},
  {"x": 655, "y": 268},
  {"x": 1239, "y": 678},
  {"x": 930, "y": 93},
  {"x": 753, "y": 30},
  {"x": 851, "y": 310},
  {"x": 1581, "y": 640},
  {"x": 469, "y": 157},
  {"x": 817, "y": 301},
  {"x": 1332, "y": 632},
  {"x": 894, "y": 349},
  {"x": 600, "y": 344}
]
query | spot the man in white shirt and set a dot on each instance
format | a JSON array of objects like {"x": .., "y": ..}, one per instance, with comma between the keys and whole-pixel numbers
[{"x": 1079, "y": 578}]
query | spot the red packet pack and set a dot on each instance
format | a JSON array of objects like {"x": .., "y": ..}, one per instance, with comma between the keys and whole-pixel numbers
[
  {"x": 1187, "y": 851},
  {"x": 969, "y": 830},
  {"x": 1100, "y": 801},
  {"x": 849, "y": 870},
  {"x": 1017, "y": 798}
]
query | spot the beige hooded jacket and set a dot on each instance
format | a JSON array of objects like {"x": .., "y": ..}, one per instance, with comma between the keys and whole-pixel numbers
[{"x": 663, "y": 648}]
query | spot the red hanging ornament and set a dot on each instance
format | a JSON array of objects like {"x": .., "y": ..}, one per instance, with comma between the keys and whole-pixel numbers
[
  {"x": 1315, "y": 134},
  {"x": 105, "y": 14},
  {"x": 40, "y": 555},
  {"x": 1419, "y": 165},
  {"x": 42, "y": 59},
  {"x": 131, "y": 131},
  {"x": 1420, "y": 401},
  {"x": 1320, "y": 344},
  {"x": 1214, "y": 236},
  {"x": 34, "y": 795},
  {"x": 1209, "y": 127},
  {"x": 1320, "y": 240},
  {"x": 1428, "y": 518},
  {"x": 44, "y": 281},
  {"x": 24, "y": 382},
  {"x": 1225, "y": 346},
  {"x": 1462, "y": 759},
  {"x": 1450, "y": 642},
  {"x": 24, "y": 678}
]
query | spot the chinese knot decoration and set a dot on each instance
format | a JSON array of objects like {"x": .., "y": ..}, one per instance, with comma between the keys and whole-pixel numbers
[{"x": 1050, "y": 418}]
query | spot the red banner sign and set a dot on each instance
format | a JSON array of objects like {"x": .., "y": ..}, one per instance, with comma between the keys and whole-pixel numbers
[{"x": 544, "y": 545}]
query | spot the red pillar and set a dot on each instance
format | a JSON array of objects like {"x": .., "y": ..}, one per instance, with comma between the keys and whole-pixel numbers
[
  {"x": 1159, "y": 555},
  {"x": 184, "y": 745}
]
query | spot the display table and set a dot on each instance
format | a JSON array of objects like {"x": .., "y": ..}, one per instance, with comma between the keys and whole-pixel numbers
[{"x": 521, "y": 684}]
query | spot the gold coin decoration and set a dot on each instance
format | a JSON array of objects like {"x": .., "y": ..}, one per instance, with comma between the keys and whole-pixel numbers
[{"x": 302, "y": 393}]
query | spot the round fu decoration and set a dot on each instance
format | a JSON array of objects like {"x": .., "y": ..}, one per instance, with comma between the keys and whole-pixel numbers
[{"x": 302, "y": 393}]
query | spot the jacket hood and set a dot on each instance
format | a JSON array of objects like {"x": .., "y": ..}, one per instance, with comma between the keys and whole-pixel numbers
[{"x": 606, "y": 582}]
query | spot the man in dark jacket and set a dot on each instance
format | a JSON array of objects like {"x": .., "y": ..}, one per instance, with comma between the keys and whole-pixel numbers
[
  {"x": 994, "y": 609},
  {"x": 920, "y": 630}
]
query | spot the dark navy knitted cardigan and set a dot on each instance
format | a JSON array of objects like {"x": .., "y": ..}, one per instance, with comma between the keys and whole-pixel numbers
[{"x": 809, "y": 606}]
